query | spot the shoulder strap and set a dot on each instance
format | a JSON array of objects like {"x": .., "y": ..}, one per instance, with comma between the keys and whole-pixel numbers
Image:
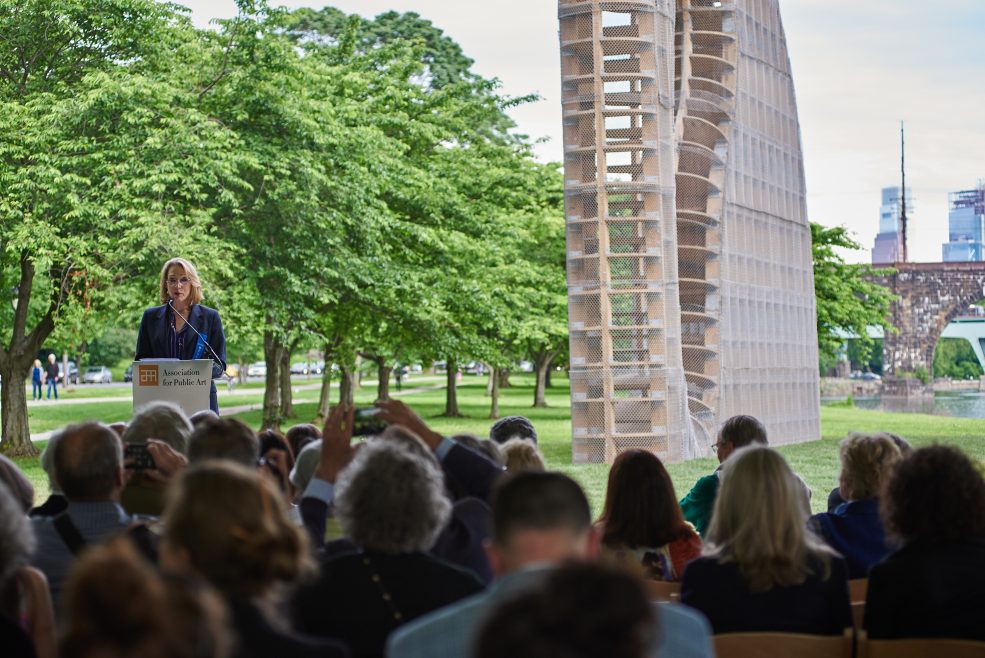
[{"x": 69, "y": 533}]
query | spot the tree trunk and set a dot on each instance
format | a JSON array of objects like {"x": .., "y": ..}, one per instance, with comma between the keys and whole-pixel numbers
[
  {"x": 451, "y": 391},
  {"x": 489, "y": 382},
  {"x": 383, "y": 381},
  {"x": 13, "y": 406},
  {"x": 347, "y": 386},
  {"x": 494, "y": 407},
  {"x": 271, "y": 390},
  {"x": 504, "y": 377},
  {"x": 542, "y": 367},
  {"x": 324, "y": 398},
  {"x": 547, "y": 375},
  {"x": 286, "y": 396}
]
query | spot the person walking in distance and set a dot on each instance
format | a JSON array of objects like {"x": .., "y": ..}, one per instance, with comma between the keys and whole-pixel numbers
[
  {"x": 37, "y": 377},
  {"x": 51, "y": 376}
]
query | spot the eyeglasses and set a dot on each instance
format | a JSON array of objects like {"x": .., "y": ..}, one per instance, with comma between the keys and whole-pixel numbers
[
  {"x": 718, "y": 444},
  {"x": 183, "y": 281}
]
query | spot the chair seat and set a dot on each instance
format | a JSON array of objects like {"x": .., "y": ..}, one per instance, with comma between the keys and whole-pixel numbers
[
  {"x": 921, "y": 648},
  {"x": 784, "y": 645}
]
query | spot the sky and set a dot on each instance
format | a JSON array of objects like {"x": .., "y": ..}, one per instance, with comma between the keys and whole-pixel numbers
[{"x": 859, "y": 69}]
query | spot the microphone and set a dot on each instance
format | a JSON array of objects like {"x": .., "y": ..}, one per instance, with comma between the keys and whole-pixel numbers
[{"x": 215, "y": 357}]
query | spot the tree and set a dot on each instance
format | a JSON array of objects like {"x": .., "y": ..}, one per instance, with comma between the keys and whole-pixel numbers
[{"x": 846, "y": 300}]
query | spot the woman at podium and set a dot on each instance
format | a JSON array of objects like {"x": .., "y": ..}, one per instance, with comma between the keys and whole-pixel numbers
[{"x": 181, "y": 328}]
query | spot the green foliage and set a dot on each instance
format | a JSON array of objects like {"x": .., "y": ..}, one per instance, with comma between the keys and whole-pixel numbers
[
  {"x": 112, "y": 346},
  {"x": 919, "y": 372},
  {"x": 955, "y": 358},
  {"x": 846, "y": 300},
  {"x": 868, "y": 359}
]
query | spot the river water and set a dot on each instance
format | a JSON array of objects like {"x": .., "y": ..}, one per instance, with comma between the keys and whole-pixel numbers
[{"x": 959, "y": 404}]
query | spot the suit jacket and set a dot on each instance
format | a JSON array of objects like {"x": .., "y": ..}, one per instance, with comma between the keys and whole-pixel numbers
[
  {"x": 152, "y": 339},
  {"x": 259, "y": 639},
  {"x": 817, "y": 606},
  {"x": 855, "y": 530},
  {"x": 346, "y": 603},
  {"x": 54, "y": 506},
  {"x": 928, "y": 589}
]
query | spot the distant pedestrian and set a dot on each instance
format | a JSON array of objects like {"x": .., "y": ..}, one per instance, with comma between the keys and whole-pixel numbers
[
  {"x": 399, "y": 375},
  {"x": 51, "y": 376},
  {"x": 36, "y": 378}
]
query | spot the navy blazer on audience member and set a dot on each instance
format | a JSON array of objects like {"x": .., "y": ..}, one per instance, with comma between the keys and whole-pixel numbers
[
  {"x": 817, "y": 606},
  {"x": 258, "y": 638},
  {"x": 854, "y": 529},
  {"x": 928, "y": 589},
  {"x": 152, "y": 339}
]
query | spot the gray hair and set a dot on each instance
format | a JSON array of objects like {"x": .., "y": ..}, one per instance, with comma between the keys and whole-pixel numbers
[
  {"x": 48, "y": 460},
  {"x": 163, "y": 421},
  {"x": 87, "y": 459},
  {"x": 16, "y": 536},
  {"x": 305, "y": 465},
  {"x": 522, "y": 455},
  {"x": 391, "y": 500}
]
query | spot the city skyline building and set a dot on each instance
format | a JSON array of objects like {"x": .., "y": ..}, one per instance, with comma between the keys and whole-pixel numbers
[
  {"x": 966, "y": 226},
  {"x": 887, "y": 247},
  {"x": 690, "y": 280}
]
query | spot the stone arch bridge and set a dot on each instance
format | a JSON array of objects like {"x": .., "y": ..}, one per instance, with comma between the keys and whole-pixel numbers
[{"x": 930, "y": 295}]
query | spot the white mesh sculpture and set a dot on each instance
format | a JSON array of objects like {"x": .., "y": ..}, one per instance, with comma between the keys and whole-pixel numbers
[{"x": 691, "y": 292}]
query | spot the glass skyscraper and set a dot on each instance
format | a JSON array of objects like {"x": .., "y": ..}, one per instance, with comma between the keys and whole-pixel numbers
[
  {"x": 966, "y": 226},
  {"x": 888, "y": 246}
]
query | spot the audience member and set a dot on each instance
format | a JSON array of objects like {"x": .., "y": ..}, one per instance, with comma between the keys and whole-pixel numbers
[
  {"x": 540, "y": 519},
  {"x": 305, "y": 464},
  {"x": 88, "y": 465},
  {"x": 119, "y": 427},
  {"x": 763, "y": 571},
  {"x": 835, "y": 499},
  {"x": 736, "y": 432},
  {"x": 165, "y": 429},
  {"x": 118, "y": 606},
  {"x": 641, "y": 524},
  {"x": 934, "y": 505},
  {"x": 488, "y": 448},
  {"x": 854, "y": 529},
  {"x": 276, "y": 459},
  {"x": 512, "y": 427},
  {"x": 578, "y": 611},
  {"x": 26, "y": 616},
  {"x": 56, "y": 503},
  {"x": 301, "y": 435},
  {"x": 391, "y": 503},
  {"x": 201, "y": 416},
  {"x": 17, "y": 484},
  {"x": 224, "y": 438},
  {"x": 228, "y": 524},
  {"x": 522, "y": 455}
]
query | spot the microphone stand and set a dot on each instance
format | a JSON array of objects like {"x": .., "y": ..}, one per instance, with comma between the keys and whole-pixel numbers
[{"x": 215, "y": 357}]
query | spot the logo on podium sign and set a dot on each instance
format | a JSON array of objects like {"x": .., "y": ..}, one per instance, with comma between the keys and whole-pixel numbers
[{"x": 148, "y": 375}]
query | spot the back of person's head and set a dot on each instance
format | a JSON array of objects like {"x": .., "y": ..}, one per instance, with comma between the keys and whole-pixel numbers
[
  {"x": 936, "y": 494},
  {"x": 117, "y": 605},
  {"x": 48, "y": 460},
  {"x": 301, "y": 435},
  {"x": 163, "y": 421},
  {"x": 88, "y": 463},
  {"x": 512, "y": 427},
  {"x": 200, "y": 416},
  {"x": 483, "y": 446},
  {"x": 390, "y": 499},
  {"x": 16, "y": 536},
  {"x": 866, "y": 461},
  {"x": 17, "y": 483},
  {"x": 759, "y": 521},
  {"x": 224, "y": 438},
  {"x": 578, "y": 611},
  {"x": 641, "y": 508},
  {"x": 409, "y": 440},
  {"x": 305, "y": 464},
  {"x": 741, "y": 431},
  {"x": 232, "y": 524},
  {"x": 522, "y": 455},
  {"x": 538, "y": 502}
]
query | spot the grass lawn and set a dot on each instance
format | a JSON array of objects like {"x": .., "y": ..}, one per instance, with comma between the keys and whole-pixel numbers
[{"x": 816, "y": 461}]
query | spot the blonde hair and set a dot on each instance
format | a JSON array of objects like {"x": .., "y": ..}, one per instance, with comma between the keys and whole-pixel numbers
[
  {"x": 759, "y": 522},
  {"x": 866, "y": 461},
  {"x": 233, "y": 522},
  {"x": 522, "y": 455},
  {"x": 193, "y": 280}
]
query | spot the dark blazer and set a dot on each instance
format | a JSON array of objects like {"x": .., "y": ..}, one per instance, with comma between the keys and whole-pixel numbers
[
  {"x": 55, "y": 505},
  {"x": 855, "y": 530},
  {"x": 344, "y": 602},
  {"x": 152, "y": 339},
  {"x": 257, "y": 638},
  {"x": 928, "y": 589},
  {"x": 816, "y": 606}
]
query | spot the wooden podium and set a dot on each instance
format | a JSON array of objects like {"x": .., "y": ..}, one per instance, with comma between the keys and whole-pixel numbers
[{"x": 184, "y": 383}]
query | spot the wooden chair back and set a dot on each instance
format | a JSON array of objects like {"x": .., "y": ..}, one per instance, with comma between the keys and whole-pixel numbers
[
  {"x": 659, "y": 590},
  {"x": 858, "y": 588},
  {"x": 920, "y": 648},
  {"x": 784, "y": 645}
]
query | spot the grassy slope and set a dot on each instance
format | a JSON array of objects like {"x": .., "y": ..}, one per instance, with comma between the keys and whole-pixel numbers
[{"x": 816, "y": 461}]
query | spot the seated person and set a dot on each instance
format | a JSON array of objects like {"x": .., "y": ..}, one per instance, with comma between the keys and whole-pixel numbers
[
  {"x": 762, "y": 569},
  {"x": 522, "y": 455},
  {"x": 641, "y": 525},
  {"x": 854, "y": 528},
  {"x": 934, "y": 505},
  {"x": 163, "y": 422},
  {"x": 835, "y": 498}
]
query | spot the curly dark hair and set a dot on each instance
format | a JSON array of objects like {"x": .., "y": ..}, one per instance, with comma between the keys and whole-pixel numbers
[{"x": 937, "y": 494}]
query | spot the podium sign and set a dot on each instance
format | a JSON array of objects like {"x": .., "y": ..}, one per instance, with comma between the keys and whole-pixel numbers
[{"x": 184, "y": 383}]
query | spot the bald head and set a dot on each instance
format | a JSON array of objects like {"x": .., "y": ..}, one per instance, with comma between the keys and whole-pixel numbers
[{"x": 88, "y": 463}]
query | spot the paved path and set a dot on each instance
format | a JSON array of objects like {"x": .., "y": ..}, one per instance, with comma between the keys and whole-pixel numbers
[{"x": 243, "y": 408}]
